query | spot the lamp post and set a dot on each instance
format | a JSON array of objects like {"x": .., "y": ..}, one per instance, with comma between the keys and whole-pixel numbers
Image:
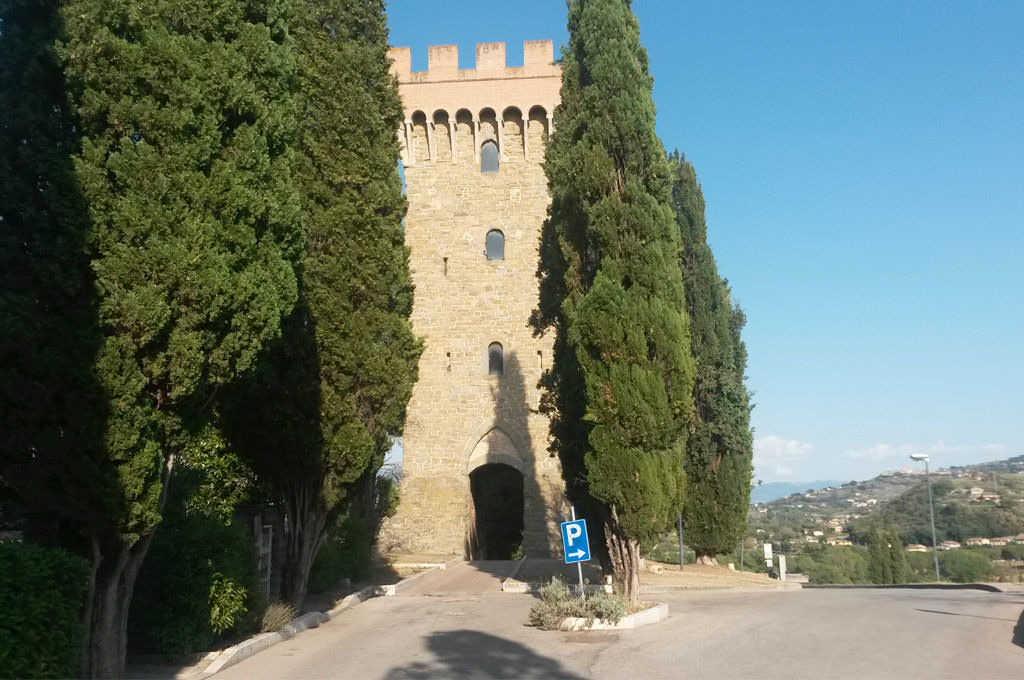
[{"x": 923, "y": 457}]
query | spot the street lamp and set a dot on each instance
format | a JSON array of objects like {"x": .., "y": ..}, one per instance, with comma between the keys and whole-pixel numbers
[{"x": 931, "y": 508}]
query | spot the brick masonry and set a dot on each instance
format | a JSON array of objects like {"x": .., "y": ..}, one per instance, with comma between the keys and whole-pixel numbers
[{"x": 460, "y": 417}]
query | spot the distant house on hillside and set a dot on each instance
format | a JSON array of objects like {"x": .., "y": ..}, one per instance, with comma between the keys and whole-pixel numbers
[
  {"x": 973, "y": 542},
  {"x": 993, "y": 497},
  {"x": 999, "y": 542},
  {"x": 976, "y": 492},
  {"x": 1019, "y": 539},
  {"x": 916, "y": 547},
  {"x": 949, "y": 545}
]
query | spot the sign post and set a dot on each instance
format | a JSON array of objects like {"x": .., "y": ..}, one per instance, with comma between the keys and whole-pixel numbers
[{"x": 575, "y": 544}]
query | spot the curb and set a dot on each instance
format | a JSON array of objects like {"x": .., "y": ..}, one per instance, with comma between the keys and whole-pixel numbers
[
  {"x": 243, "y": 650},
  {"x": 676, "y": 588},
  {"x": 651, "y": 615},
  {"x": 987, "y": 587}
]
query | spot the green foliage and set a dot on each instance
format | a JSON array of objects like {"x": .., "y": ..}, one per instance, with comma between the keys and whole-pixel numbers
[
  {"x": 185, "y": 169},
  {"x": 198, "y": 583},
  {"x": 610, "y": 282},
  {"x": 558, "y": 601},
  {"x": 276, "y": 616},
  {"x": 227, "y": 603},
  {"x": 843, "y": 565},
  {"x": 964, "y": 566},
  {"x": 42, "y": 594},
  {"x": 346, "y": 552},
  {"x": 320, "y": 411},
  {"x": 51, "y": 406},
  {"x": 879, "y": 566},
  {"x": 719, "y": 448}
]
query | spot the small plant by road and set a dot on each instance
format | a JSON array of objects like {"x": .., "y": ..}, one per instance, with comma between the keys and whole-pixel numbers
[{"x": 558, "y": 602}]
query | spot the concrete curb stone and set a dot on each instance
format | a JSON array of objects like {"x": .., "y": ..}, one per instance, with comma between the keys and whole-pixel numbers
[{"x": 651, "y": 615}]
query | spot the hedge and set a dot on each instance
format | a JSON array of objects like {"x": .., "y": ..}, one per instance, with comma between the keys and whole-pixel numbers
[{"x": 42, "y": 596}]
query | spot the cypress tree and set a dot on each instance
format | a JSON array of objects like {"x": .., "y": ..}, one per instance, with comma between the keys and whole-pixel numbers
[
  {"x": 319, "y": 414},
  {"x": 719, "y": 449},
  {"x": 879, "y": 559},
  {"x": 613, "y": 288},
  {"x": 185, "y": 114},
  {"x": 51, "y": 407},
  {"x": 897, "y": 558}
]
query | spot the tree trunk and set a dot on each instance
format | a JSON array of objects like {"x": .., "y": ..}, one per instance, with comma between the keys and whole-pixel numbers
[
  {"x": 708, "y": 560},
  {"x": 625, "y": 558},
  {"x": 304, "y": 535},
  {"x": 112, "y": 584},
  {"x": 115, "y": 568}
]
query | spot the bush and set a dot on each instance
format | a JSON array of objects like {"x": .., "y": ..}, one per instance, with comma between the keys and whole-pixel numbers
[
  {"x": 557, "y": 602},
  {"x": 277, "y": 616},
  {"x": 42, "y": 596},
  {"x": 346, "y": 552},
  {"x": 964, "y": 566},
  {"x": 197, "y": 586}
]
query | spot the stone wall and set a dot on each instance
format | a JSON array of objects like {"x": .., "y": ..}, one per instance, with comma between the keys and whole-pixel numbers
[{"x": 460, "y": 417}]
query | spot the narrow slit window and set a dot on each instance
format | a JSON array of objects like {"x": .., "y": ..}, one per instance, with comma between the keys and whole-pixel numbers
[
  {"x": 495, "y": 359},
  {"x": 489, "y": 157},
  {"x": 495, "y": 245}
]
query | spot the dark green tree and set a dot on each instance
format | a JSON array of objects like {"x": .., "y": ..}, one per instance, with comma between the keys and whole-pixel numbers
[
  {"x": 319, "y": 414},
  {"x": 612, "y": 288},
  {"x": 51, "y": 406},
  {"x": 186, "y": 116},
  {"x": 719, "y": 449},
  {"x": 897, "y": 557},
  {"x": 879, "y": 560}
]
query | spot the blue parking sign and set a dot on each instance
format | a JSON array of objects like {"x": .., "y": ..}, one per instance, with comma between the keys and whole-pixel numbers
[{"x": 575, "y": 545}]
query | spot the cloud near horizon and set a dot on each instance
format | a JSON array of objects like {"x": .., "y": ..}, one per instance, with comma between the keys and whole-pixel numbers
[
  {"x": 939, "y": 449},
  {"x": 778, "y": 453}
]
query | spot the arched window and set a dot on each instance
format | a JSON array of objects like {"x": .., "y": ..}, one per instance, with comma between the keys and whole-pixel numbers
[
  {"x": 495, "y": 245},
  {"x": 489, "y": 157},
  {"x": 495, "y": 359}
]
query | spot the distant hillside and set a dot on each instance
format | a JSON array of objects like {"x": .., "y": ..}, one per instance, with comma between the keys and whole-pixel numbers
[
  {"x": 771, "y": 491},
  {"x": 984, "y": 501}
]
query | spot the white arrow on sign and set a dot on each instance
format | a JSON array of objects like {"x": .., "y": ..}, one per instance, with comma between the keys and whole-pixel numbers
[{"x": 578, "y": 553}]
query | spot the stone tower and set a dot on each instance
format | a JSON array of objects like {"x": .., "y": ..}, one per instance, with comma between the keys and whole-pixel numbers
[{"x": 477, "y": 478}]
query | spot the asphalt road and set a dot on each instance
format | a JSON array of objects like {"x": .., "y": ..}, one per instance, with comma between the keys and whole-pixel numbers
[{"x": 827, "y": 633}]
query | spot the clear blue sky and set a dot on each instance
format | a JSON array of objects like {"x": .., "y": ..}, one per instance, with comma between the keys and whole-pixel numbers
[{"x": 863, "y": 167}]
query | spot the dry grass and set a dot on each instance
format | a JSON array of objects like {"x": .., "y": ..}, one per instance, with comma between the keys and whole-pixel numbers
[{"x": 699, "y": 575}]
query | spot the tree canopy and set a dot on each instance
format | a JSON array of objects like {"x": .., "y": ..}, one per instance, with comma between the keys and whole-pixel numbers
[
  {"x": 719, "y": 448},
  {"x": 611, "y": 284},
  {"x": 320, "y": 411}
]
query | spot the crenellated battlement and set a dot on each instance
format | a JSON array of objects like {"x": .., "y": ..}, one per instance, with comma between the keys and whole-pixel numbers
[
  {"x": 443, "y": 63},
  {"x": 446, "y": 104}
]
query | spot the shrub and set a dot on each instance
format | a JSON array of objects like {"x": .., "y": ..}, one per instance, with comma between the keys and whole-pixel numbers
[
  {"x": 277, "y": 616},
  {"x": 197, "y": 586},
  {"x": 346, "y": 552},
  {"x": 227, "y": 603},
  {"x": 964, "y": 566},
  {"x": 557, "y": 602},
  {"x": 42, "y": 595}
]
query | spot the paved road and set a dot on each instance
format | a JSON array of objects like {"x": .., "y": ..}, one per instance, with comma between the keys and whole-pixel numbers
[
  {"x": 863, "y": 633},
  {"x": 477, "y": 577}
]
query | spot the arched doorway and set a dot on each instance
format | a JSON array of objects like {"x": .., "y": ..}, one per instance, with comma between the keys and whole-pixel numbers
[{"x": 497, "y": 530}]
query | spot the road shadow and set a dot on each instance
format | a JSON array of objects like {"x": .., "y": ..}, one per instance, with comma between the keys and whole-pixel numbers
[
  {"x": 1018, "y": 631},
  {"x": 471, "y": 654}
]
